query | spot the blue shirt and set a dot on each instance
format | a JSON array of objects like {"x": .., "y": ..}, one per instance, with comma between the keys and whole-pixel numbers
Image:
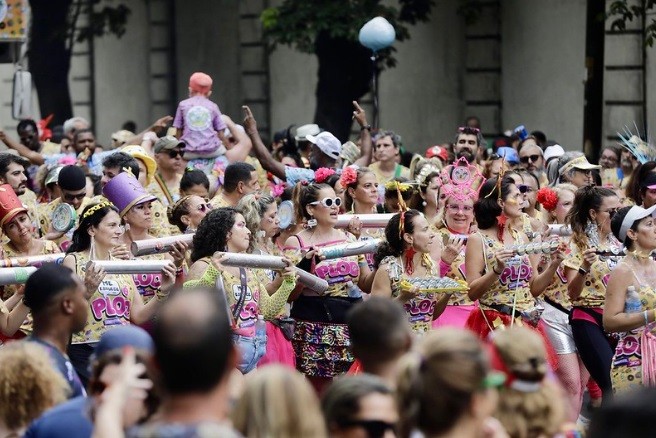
[
  {"x": 67, "y": 420},
  {"x": 64, "y": 366}
]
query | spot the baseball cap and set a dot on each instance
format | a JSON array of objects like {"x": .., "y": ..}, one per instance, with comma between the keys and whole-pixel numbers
[
  {"x": 554, "y": 151},
  {"x": 437, "y": 151},
  {"x": 124, "y": 336},
  {"x": 509, "y": 154},
  {"x": 303, "y": 131},
  {"x": 327, "y": 142},
  {"x": 200, "y": 82},
  {"x": 168, "y": 143},
  {"x": 578, "y": 163}
]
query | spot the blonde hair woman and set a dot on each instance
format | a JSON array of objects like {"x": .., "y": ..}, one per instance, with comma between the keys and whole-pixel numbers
[
  {"x": 29, "y": 385},
  {"x": 278, "y": 402},
  {"x": 530, "y": 405}
]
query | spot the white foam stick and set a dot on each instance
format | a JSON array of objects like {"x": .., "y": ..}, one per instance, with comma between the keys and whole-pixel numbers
[
  {"x": 35, "y": 261},
  {"x": 368, "y": 220},
  {"x": 257, "y": 261},
  {"x": 160, "y": 245},
  {"x": 349, "y": 249},
  {"x": 130, "y": 266},
  {"x": 15, "y": 275}
]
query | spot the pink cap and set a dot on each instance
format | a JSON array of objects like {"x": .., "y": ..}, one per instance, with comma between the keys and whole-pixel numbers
[{"x": 200, "y": 82}]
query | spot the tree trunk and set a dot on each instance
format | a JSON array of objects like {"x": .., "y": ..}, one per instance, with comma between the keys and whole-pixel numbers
[
  {"x": 344, "y": 76},
  {"x": 49, "y": 58}
]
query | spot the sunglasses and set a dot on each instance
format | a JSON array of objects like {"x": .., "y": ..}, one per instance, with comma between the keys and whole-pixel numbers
[
  {"x": 204, "y": 208},
  {"x": 374, "y": 428},
  {"x": 328, "y": 202},
  {"x": 468, "y": 130},
  {"x": 174, "y": 154},
  {"x": 71, "y": 197},
  {"x": 532, "y": 158},
  {"x": 523, "y": 188}
]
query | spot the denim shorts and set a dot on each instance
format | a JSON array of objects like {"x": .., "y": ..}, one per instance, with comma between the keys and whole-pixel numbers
[{"x": 251, "y": 351}]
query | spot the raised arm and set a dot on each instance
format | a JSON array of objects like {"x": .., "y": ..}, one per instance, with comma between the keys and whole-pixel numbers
[
  {"x": 261, "y": 152},
  {"x": 242, "y": 148},
  {"x": 365, "y": 136},
  {"x": 24, "y": 151}
]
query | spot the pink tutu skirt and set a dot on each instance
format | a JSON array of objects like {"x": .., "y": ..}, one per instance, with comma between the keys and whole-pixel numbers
[
  {"x": 279, "y": 349},
  {"x": 454, "y": 316}
]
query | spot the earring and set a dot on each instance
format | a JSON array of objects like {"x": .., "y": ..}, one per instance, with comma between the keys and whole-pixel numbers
[
  {"x": 92, "y": 249},
  {"x": 424, "y": 203},
  {"x": 311, "y": 223}
]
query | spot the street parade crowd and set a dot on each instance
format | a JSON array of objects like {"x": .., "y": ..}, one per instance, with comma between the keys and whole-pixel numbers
[{"x": 190, "y": 280}]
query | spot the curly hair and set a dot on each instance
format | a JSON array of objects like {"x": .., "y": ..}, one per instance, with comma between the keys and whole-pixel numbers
[
  {"x": 436, "y": 386},
  {"x": 586, "y": 199},
  {"x": 29, "y": 384},
  {"x": 394, "y": 245},
  {"x": 527, "y": 414},
  {"x": 253, "y": 208},
  {"x": 175, "y": 212},
  {"x": 348, "y": 199},
  {"x": 487, "y": 208},
  {"x": 81, "y": 239},
  {"x": 212, "y": 232}
]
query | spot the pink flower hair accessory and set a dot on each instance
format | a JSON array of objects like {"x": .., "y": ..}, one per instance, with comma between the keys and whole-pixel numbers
[
  {"x": 349, "y": 176},
  {"x": 322, "y": 174}
]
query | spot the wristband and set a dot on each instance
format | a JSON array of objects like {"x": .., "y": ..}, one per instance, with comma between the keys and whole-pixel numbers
[
  {"x": 583, "y": 272},
  {"x": 367, "y": 127}
]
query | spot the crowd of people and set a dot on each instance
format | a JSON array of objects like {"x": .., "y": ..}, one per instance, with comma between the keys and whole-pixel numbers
[{"x": 508, "y": 288}]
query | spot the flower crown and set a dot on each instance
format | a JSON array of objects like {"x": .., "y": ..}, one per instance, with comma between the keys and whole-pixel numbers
[
  {"x": 95, "y": 208},
  {"x": 548, "y": 198}
]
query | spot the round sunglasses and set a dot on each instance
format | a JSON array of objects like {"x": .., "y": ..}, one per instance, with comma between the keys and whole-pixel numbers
[{"x": 328, "y": 202}]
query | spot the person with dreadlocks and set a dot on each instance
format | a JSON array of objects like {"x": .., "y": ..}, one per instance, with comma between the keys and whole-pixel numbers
[{"x": 499, "y": 276}]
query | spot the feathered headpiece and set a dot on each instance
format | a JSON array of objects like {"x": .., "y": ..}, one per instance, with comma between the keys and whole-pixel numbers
[{"x": 643, "y": 150}]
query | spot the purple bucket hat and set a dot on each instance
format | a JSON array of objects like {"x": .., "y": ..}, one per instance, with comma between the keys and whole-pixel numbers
[{"x": 124, "y": 191}]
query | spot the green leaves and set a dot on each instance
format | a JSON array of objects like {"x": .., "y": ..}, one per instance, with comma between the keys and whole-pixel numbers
[
  {"x": 621, "y": 12},
  {"x": 103, "y": 19},
  {"x": 297, "y": 23}
]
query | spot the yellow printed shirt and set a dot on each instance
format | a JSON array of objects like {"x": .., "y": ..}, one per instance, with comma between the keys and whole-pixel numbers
[
  {"x": 557, "y": 290},
  {"x": 161, "y": 225},
  {"x": 219, "y": 201},
  {"x": 513, "y": 281},
  {"x": 257, "y": 301},
  {"x": 148, "y": 284},
  {"x": 156, "y": 190},
  {"x": 457, "y": 271},
  {"x": 594, "y": 286},
  {"x": 421, "y": 307},
  {"x": 108, "y": 307}
]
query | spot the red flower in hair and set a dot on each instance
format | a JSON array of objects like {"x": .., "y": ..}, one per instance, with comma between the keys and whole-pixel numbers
[
  {"x": 547, "y": 198},
  {"x": 322, "y": 174},
  {"x": 349, "y": 176}
]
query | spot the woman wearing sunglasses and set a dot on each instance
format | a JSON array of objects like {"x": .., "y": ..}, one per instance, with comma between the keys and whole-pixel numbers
[
  {"x": 504, "y": 282},
  {"x": 321, "y": 338},
  {"x": 113, "y": 298},
  {"x": 261, "y": 216},
  {"x": 187, "y": 213},
  {"x": 556, "y": 203},
  {"x": 587, "y": 277},
  {"x": 135, "y": 210},
  {"x": 250, "y": 293}
]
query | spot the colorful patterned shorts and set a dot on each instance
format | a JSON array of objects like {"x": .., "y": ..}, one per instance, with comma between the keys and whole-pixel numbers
[{"x": 322, "y": 349}]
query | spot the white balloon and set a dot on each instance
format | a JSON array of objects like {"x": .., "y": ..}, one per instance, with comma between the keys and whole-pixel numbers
[{"x": 377, "y": 34}]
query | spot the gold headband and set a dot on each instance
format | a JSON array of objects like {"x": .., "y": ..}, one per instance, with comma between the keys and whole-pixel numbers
[{"x": 96, "y": 207}]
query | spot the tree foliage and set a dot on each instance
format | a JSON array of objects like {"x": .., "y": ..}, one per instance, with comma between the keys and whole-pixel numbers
[
  {"x": 621, "y": 12},
  {"x": 298, "y": 23}
]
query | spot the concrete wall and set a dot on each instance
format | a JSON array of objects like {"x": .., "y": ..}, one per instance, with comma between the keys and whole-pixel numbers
[
  {"x": 122, "y": 77},
  {"x": 544, "y": 67}
]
